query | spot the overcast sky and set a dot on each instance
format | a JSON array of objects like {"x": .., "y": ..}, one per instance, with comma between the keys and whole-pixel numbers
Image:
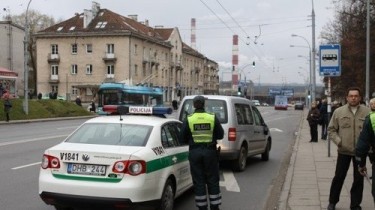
[{"x": 272, "y": 21}]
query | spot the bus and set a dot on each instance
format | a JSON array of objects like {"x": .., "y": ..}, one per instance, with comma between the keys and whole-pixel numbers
[
  {"x": 111, "y": 95},
  {"x": 281, "y": 102}
]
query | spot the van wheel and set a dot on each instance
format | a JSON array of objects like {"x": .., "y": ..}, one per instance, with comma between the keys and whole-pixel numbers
[
  {"x": 57, "y": 207},
  {"x": 240, "y": 163},
  {"x": 167, "y": 198},
  {"x": 266, "y": 153}
]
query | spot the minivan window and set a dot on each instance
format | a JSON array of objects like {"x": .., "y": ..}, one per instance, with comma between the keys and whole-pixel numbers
[
  {"x": 244, "y": 114},
  {"x": 258, "y": 117},
  {"x": 218, "y": 107}
]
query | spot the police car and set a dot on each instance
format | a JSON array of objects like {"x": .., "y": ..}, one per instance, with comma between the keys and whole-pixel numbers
[{"x": 119, "y": 162}]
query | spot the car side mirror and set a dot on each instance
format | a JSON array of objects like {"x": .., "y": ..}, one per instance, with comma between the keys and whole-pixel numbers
[{"x": 265, "y": 130}]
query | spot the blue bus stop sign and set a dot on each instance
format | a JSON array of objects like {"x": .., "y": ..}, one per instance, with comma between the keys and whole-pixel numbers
[{"x": 330, "y": 60}]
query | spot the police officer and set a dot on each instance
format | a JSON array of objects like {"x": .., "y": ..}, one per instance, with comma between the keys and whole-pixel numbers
[
  {"x": 201, "y": 130},
  {"x": 366, "y": 145}
]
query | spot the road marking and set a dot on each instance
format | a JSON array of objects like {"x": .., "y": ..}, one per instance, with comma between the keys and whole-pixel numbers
[
  {"x": 24, "y": 166},
  {"x": 276, "y": 129},
  {"x": 230, "y": 182},
  {"x": 30, "y": 140}
]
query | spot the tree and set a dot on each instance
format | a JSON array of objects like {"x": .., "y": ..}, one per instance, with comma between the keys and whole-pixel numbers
[
  {"x": 349, "y": 30},
  {"x": 37, "y": 22}
]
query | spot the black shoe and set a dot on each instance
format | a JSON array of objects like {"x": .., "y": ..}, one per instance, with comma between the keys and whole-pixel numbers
[{"x": 331, "y": 206}]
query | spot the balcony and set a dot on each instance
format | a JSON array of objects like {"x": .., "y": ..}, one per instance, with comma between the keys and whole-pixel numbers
[
  {"x": 110, "y": 76},
  {"x": 54, "y": 79},
  {"x": 53, "y": 58},
  {"x": 109, "y": 57}
]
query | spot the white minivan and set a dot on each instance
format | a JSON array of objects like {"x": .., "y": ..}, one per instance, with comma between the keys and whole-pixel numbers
[{"x": 245, "y": 132}]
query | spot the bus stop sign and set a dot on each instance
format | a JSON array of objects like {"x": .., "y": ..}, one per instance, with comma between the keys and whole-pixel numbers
[{"x": 330, "y": 60}]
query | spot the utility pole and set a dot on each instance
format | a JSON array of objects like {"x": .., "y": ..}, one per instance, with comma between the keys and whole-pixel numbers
[
  {"x": 313, "y": 52},
  {"x": 367, "y": 94},
  {"x": 25, "y": 63}
]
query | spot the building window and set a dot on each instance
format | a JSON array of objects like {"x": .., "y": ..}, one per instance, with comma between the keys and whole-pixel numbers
[
  {"x": 74, "y": 48},
  {"x": 55, "y": 88},
  {"x": 110, "y": 48},
  {"x": 110, "y": 69},
  {"x": 89, "y": 92},
  {"x": 89, "y": 48},
  {"x": 74, "y": 69},
  {"x": 54, "y": 49},
  {"x": 135, "y": 49},
  {"x": 136, "y": 70},
  {"x": 144, "y": 71},
  {"x": 74, "y": 90},
  {"x": 88, "y": 69},
  {"x": 54, "y": 70}
]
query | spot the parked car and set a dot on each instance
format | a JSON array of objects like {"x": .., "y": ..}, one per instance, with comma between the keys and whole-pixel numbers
[
  {"x": 245, "y": 132},
  {"x": 299, "y": 106},
  {"x": 121, "y": 162}
]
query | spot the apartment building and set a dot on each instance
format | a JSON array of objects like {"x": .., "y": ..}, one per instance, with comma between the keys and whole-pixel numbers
[
  {"x": 75, "y": 56},
  {"x": 12, "y": 57}
]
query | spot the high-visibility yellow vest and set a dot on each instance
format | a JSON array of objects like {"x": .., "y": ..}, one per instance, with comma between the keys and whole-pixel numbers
[
  {"x": 202, "y": 127},
  {"x": 372, "y": 119}
]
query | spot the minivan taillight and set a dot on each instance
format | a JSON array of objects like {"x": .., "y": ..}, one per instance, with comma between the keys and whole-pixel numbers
[
  {"x": 49, "y": 161},
  {"x": 232, "y": 134}
]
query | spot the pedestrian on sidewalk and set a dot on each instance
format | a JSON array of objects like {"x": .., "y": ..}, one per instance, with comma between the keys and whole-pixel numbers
[
  {"x": 7, "y": 105},
  {"x": 366, "y": 145},
  {"x": 343, "y": 129},
  {"x": 324, "y": 119},
  {"x": 313, "y": 119}
]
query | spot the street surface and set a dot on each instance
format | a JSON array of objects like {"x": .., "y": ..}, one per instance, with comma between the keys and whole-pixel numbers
[{"x": 258, "y": 187}]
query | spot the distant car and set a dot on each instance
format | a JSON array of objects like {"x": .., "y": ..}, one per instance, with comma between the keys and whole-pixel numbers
[
  {"x": 265, "y": 104},
  {"x": 299, "y": 106},
  {"x": 121, "y": 162},
  {"x": 256, "y": 102}
]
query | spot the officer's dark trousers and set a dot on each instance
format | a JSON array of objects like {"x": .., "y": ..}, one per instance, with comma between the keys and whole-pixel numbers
[
  {"x": 342, "y": 166},
  {"x": 205, "y": 170},
  {"x": 373, "y": 183}
]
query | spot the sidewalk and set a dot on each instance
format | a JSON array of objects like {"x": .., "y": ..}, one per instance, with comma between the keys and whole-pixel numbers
[{"x": 310, "y": 173}]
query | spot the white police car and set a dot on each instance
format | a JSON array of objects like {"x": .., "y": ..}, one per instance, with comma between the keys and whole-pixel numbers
[{"x": 119, "y": 162}]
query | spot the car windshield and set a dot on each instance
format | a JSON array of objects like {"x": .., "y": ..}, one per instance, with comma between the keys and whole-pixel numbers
[
  {"x": 218, "y": 107},
  {"x": 111, "y": 134}
]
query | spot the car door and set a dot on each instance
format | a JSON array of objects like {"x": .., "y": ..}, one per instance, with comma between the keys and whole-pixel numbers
[
  {"x": 259, "y": 134},
  {"x": 177, "y": 154},
  {"x": 245, "y": 130}
]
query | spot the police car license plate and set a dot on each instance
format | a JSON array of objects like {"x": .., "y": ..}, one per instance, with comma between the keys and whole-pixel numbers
[{"x": 86, "y": 169}]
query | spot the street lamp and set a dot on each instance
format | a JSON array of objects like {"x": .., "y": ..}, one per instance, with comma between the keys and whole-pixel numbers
[
  {"x": 312, "y": 67},
  {"x": 25, "y": 63}
]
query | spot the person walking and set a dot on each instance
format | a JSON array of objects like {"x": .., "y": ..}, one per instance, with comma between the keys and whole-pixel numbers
[
  {"x": 366, "y": 145},
  {"x": 201, "y": 130},
  {"x": 343, "y": 129},
  {"x": 313, "y": 119},
  {"x": 324, "y": 119},
  {"x": 7, "y": 105},
  {"x": 78, "y": 101}
]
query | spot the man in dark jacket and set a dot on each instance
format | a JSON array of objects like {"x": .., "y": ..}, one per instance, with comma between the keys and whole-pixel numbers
[
  {"x": 365, "y": 144},
  {"x": 201, "y": 130}
]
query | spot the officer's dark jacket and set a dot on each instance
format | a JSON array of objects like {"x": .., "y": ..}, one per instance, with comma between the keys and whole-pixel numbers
[
  {"x": 186, "y": 136},
  {"x": 366, "y": 140}
]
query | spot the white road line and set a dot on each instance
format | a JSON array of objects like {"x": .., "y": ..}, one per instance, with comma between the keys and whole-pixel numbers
[
  {"x": 30, "y": 140},
  {"x": 230, "y": 182},
  {"x": 24, "y": 166}
]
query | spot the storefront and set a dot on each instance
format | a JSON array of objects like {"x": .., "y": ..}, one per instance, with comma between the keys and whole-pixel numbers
[{"x": 8, "y": 80}]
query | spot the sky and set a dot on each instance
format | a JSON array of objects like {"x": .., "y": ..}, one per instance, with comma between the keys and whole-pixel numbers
[{"x": 264, "y": 28}]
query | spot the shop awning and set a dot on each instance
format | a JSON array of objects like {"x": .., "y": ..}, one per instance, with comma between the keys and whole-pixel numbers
[{"x": 7, "y": 74}]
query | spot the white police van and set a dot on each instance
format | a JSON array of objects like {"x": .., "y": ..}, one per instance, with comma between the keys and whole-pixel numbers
[{"x": 245, "y": 132}]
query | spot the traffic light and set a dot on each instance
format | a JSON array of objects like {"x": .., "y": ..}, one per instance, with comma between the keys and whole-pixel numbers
[{"x": 239, "y": 91}]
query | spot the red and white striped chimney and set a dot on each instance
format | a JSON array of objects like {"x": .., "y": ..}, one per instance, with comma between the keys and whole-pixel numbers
[
  {"x": 235, "y": 63},
  {"x": 193, "y": 41}
]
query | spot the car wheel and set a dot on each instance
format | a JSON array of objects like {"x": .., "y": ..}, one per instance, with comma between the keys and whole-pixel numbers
[
  {"x": 240, "y": 163},
  {"x": 266, "y": 153},
  {"x": 167, "y": 198}
]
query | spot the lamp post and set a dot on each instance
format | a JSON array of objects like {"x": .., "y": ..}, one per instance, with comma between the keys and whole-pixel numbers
[
  {"x": 240, "y": 71},
  {"x": 367, "y": 93},
  {"x": 313, "y": 52},
  {"x": 312, "y": 67},
  {"x": 26, "y": 59}
]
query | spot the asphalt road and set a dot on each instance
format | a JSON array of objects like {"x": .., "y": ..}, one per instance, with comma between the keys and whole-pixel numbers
[{"x": 258, "y": 187}]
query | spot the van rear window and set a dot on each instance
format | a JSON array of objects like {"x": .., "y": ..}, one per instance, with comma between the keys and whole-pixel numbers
[{"x": 218, "y": 107}]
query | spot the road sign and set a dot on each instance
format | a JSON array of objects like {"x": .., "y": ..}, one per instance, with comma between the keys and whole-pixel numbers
[{"x": 330, "y": 60}]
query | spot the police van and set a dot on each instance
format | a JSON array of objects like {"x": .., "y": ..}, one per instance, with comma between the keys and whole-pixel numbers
[{"x": 245, "y": 132}]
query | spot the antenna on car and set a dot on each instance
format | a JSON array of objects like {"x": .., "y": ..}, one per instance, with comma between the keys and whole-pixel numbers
[{"x": 122, "y": 110}]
